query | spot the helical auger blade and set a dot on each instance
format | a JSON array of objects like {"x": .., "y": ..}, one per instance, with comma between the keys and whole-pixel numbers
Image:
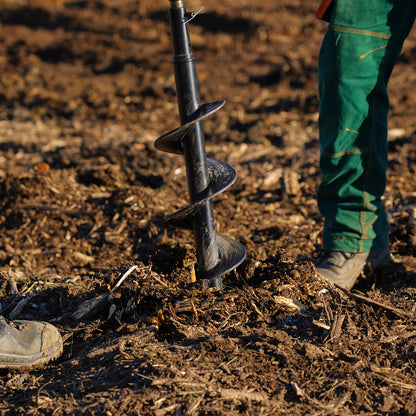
[{"x": 216, "y": 255}]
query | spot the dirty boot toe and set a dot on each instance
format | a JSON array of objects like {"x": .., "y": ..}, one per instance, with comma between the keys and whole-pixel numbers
[{"x": 28, "y": 344}]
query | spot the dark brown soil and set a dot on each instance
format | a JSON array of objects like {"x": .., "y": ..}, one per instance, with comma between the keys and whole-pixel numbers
[{"x": 85, "y": 89}]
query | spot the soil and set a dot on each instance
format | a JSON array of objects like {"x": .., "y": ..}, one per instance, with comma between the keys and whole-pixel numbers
[{"x": 86, "y": 88}]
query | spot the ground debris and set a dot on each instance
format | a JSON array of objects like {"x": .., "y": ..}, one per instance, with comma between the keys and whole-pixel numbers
[{"x": 86, "y": 88}]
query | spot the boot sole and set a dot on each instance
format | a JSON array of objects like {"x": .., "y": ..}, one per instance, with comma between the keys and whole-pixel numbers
[{"x": 21, "y": 362}]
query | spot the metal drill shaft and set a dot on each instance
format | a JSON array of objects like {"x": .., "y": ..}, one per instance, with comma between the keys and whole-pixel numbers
[
  {"x": 194, "y": 144},
  {"x": 216, "y": 255}
]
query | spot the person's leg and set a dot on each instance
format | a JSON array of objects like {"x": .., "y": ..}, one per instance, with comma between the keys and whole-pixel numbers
[
  {"x": 358, "y": 53},
  {"x": 357, "y": 56},
  {"x": 28, "y": 344}
]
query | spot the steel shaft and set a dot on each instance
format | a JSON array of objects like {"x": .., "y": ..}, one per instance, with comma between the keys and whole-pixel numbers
[
  {"x": 194, "y": 143},
  {"x": 216, "y": 255}
]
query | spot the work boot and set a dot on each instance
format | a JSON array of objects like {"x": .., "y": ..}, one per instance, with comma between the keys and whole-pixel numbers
[
  {"x": 343, "y": 269},
  {"x": 28, "y": 344}
]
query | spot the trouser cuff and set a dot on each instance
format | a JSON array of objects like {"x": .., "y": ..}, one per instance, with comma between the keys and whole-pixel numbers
[{"x": 338, "y": 242}]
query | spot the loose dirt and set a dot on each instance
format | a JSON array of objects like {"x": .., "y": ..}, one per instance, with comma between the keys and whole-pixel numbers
[{"x": 86, "y": 88}]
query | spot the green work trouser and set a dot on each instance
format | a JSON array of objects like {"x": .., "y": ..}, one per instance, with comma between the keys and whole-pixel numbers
[{"x": 360, "y": 48}]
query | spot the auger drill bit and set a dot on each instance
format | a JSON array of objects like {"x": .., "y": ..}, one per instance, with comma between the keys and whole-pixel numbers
[{"x": 216, "y": 255}]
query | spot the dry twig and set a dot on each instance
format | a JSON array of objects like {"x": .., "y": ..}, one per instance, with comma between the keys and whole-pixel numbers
[{"x": 365, "y": 299}]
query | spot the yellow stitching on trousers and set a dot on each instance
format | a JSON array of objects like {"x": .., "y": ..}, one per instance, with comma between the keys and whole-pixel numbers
[
  {"x": 344, "y": 153},
  {"x": 363, "y": 223},
  {"x": 360, "y": 32},
  {"x": 372, "y": 50}
]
